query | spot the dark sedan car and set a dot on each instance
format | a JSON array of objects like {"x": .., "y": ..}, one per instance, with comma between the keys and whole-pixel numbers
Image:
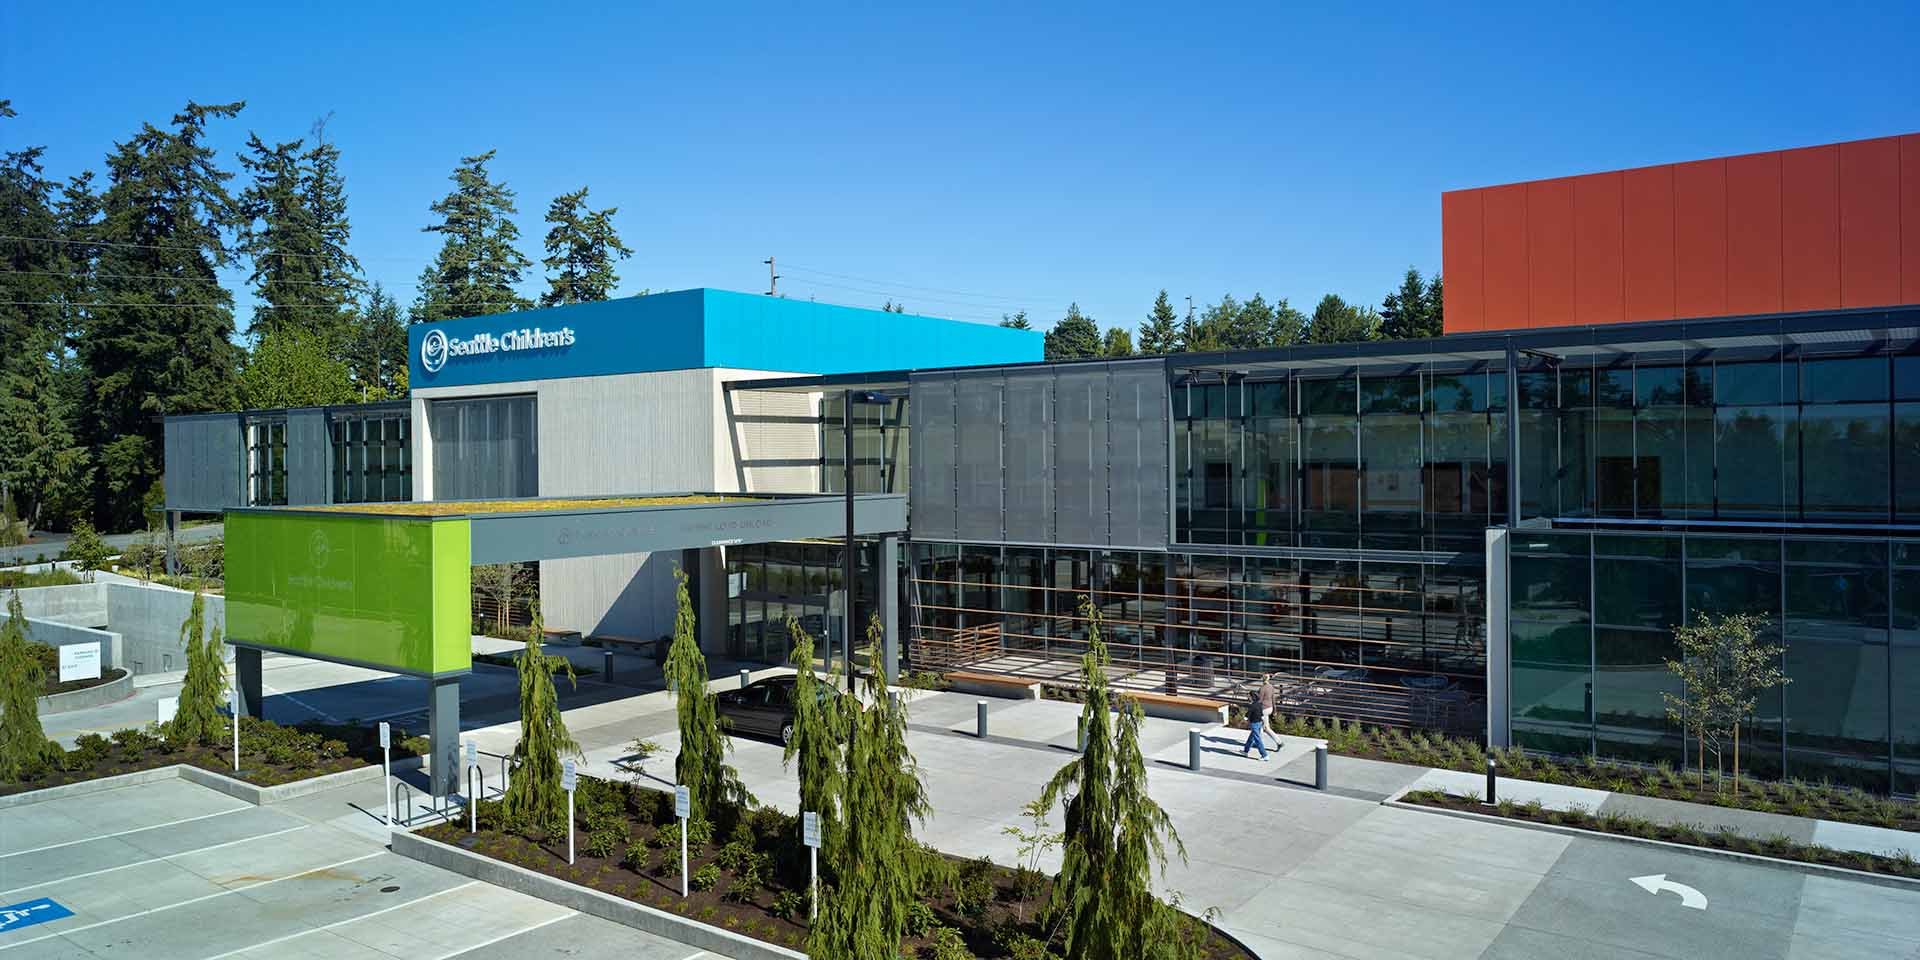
[{"x": 763, "y": 707}]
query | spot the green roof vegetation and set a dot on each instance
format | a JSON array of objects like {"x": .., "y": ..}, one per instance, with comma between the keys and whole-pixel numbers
[{"x": 462, "y": 508}]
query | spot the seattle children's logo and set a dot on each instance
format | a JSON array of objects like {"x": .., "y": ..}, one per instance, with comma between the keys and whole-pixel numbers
[
  {"x": 433, "y": 350},
  {"x": 436, "y": 349}
]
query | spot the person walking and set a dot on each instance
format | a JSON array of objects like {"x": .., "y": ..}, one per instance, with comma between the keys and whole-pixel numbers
[{"x": 1259, "y": 708}]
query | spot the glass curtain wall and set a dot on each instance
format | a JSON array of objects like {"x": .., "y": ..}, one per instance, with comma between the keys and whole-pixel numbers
[
  {"x": 880, "y": 441},
  {"x": 1397, "y": 642},
  {"x": 767, "y": 583},
  {"x": 1591, "y": 629},
  {"x": 1401, "y": 461},
  {"x": 484, "y": 449},
  {"x": 267, "y": 461},
  {"x": 372, "y": 458}
]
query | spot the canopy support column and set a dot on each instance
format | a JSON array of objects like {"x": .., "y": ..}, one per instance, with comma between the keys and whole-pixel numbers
[{"x": 443, "y": 729}]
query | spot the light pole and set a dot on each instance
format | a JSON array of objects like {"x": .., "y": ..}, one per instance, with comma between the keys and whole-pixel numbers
[{"x": 851, "y": 565}]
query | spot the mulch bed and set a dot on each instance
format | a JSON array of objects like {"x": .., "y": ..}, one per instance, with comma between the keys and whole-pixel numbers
[
  {"x": 1779, "y": 847},
  {"x": 70, "y": 686},
  {"x": 756, "y": 875},
  {"x": 270, "y": 755}
]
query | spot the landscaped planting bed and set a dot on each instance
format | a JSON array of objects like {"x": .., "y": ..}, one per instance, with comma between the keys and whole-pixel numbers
[
  {"x": 1725, "y": 838},
  {"x": 270, "y": 754},
  {"x": 1790, "y": 797},
  {"x": 749, "y": 875},
  {"x": 49, "y": 658}
]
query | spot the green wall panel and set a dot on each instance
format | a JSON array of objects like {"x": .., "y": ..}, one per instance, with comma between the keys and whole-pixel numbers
[{"x": 388, "y": 592}]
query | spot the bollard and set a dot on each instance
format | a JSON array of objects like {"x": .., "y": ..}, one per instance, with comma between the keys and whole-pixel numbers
[
  {"x": 1193, "y": 749},
  {"x": 1320, "y": 767},
  {"x": 1491, "y": 798},
  {"x": 746, "y": 677},
  {"x": 606, "y": 665},
  {"x": 980, "y": 719}
]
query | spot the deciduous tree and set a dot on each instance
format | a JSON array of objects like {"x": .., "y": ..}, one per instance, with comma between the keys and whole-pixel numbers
[
  {"x": 292, "y": 366},
  {"x": 1724, "y": 667},
  {"x": 1117, "y": 343}
]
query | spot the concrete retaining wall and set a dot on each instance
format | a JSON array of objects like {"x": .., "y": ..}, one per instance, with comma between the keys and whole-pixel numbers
[
  {"x": 148, "y": 618},
  {"x": 118, "y": 688},
  {"x": 55, "y": 634},
  {"x": 79, "y": 604}
]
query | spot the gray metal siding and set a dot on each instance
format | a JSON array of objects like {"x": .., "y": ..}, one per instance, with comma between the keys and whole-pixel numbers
[
  {"x": 203, "y": 463},
  {"x": 930, "y": 465},
  {"x": 1080, "y": 450},
  {"x": 309, "y": 457},
  {"x": 1138, "y": 435},
  {"x": 1028, "y": 439},
  {"x": 978, "y": 415}
]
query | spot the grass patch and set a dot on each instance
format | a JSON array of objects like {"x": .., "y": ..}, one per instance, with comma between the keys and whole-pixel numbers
[
  {"x": 57, "y": 577},
  {"x": 464, "y": 508}
]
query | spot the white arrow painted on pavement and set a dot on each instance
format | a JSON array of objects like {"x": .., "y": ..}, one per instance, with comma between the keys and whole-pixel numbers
[{"x": 1658, "y": 883}]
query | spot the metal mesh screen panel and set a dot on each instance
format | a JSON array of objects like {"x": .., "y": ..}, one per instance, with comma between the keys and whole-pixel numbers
[
  {"x": 931, "y": 505},
  {"x": 1137, "y": 449},
  {"x": 1029, "y": 453},
  {"x": 978, "y": 418},
  {"x": 1080, "y": 452}
]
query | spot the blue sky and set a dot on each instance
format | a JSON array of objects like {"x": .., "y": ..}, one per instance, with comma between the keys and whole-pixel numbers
[{"x": 972, "y": 162}]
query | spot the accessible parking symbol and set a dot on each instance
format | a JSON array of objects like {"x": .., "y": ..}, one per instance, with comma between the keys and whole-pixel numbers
[{"x": 29, "y": 912}]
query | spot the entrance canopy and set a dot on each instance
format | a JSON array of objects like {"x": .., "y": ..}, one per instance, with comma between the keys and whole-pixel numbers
[{"x": 388, "y": 586}]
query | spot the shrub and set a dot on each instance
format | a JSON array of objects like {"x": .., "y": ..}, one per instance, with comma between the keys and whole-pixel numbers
[
  {"x": 947, "y": 944},
  {"x": 603, "y": 842},
  {"x": 789, "y": 904},
  {"x": 637, "y": 857},
  {"x": 706, "y": 878},
  {"x": 90, "y": 749},
  {"x": 920, "y": 919}
]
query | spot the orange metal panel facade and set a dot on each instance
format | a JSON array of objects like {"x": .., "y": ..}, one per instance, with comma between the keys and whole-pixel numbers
[
  {"x": 1810, "y": 229},
  {"x": 1753, "y": 233},
  {"x": 1869, "y": 225},
  {"x": 1647, "y": 204},
  {"x": 1599, "y": 249},
  {"x": 1503, "y": 267},
  {"x": 1460, "y": 228},
  {"x": 1700, "y": 238},
  {"x": 1550, "y": 253}
]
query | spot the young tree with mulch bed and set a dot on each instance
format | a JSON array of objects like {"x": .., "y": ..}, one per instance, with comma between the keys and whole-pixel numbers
[
  {"x": 1723, "y": 668},
  {"x": 1116, "y": 835},
  {"x": 198, "y": 718},
  {"x": 880, "y": 870},
  {"x": 533, "y": 792},
  {"x": 817, "y": 726},
  {"x": 24, "y": 747},
  {"x": 701, "y": 767}
]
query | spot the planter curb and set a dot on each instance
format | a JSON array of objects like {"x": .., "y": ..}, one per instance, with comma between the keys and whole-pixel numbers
[
  {"x": 238, "y": 789},
  {"x": 603, "y": 905},
  {"x": 113, "y": 691},
  {"x": 96, "y": 785},
  {"x": 1827, "y": 870}
]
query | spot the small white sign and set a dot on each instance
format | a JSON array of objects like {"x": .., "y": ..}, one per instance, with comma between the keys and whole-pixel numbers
[
  {"x": 80, "y": 661},
  {"x": 810, "y": 829},
  {"x": 386, "y": 735},
  {"x": 566, "y": 776},
  {"x": 473, "y": 754},
  {"x": 168, "y": 707},
  {"x": 233, "y": 700},
  {"x": 736, "y": 584},
  {"x": 682, "y": 802}
]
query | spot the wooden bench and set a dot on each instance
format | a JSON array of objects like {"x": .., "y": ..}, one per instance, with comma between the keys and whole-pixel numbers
[
  {"x": 994, "y": 685},
  {"x": 560, "y": 635},
  {"x": 612, "y": 641},
  {"x": 1174, "y": 707}
]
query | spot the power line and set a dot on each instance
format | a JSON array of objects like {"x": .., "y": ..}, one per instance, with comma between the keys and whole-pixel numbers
[
  {"x": 174, "y": 246},
  {"x": 226, "y": 306},
  {"x": 163, "y": 276},
  {"x": 927, "y": 299},
  {"x": 909, "y": 286}
]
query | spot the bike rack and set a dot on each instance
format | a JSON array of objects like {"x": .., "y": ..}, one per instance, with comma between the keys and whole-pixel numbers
[
  {"x": 473, "y": 825},
  {"x": 405, "y": 813}
]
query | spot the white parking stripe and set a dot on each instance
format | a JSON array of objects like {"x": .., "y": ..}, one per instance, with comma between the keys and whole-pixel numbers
[
  {"x": 136, "y": 863},
  {"x": 340, "y": 923},
  {"x": 189, "y": 902},
  {"x": 122, "y": 833},
  {"x": 509, "y": 936}
]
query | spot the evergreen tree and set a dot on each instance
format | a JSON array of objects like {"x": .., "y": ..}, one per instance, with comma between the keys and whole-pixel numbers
[
  {"x": 1118, "y": 343},
  {"x": 40, "y": 462},
  {"x": 25, "y": 750},
  {"x": 817, "y": 733},
  {"x": 323, "y": 190},
  {"x": 1336, "y": 321},
  {"x": 1288, "y": 327},
  {"x": 376, "y": 352},
  {"x": 581, "y": 249},
  {"x": 204, "y": 690},
  {"x": 1116, "y": 835},
  {"x": 1075, "y": 337},
  {"x": 478, "y": 268},
  {"x": 278, "y": 233},
  {"x": 1218, "y": 328},
  {"x": 294, "y": 367},
  {"x": 1436, "y": 307},
  {"x": 1254, "y": 324},
  {"x": 1408, "y": 312},
  {"x": 533, "y": 795},
  {"x": 1160, "y": 333},
  {"x": 160, "y": 343},
  {"x": 1017, "y": 321},
  {"x": 880, "y": 868},
  {"x": 702, "y": 764}
]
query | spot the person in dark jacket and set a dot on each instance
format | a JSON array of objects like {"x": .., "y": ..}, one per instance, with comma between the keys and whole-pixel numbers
[{"x": 1259, "y": 708}]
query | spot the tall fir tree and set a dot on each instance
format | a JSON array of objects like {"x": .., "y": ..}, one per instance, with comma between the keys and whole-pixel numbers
[
  {"x": 818, "y": 731},
  {"x": 1116, "y": 835},
  {"x": 41, "y": 466},
  {"x": 1408, "y": 313},
  {"x": 1436, "y": 307},
  {"x": 376, "y": 352},
  {"x": 1016, "y": 321},
  {"x": 1075, "y": 337},
  {"x": 478, "y": 267},
  {"x": 880, "y": 869},
  {"x": 581, "y": 250},
  {"x": 1160, "y": 332},
  {"x": 533, "y": 795},
  {"x": 1337, "y": 321},
  {"x": 159, "y": 342},
  {"x": 25, "y": 750},
  {"x": 323, "y": 189},
  {"x": 701, "y": 766},
  {"x": 202, "y": 692},
  {"x": 277, "y": 232}
]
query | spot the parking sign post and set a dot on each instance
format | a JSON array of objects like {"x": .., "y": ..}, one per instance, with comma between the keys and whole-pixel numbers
[
  {"x": 386, "y": 767},
  {"x": 682, "y": 805},
  {"x": 810, "y": 835},
  {"x": 233, "y": 704},
  {"x": 473, "y": 796},
  {"x": 566, "y": 783}
]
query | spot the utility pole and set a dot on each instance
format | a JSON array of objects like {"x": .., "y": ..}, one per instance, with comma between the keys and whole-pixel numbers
[{"x": 773, "y": 279}]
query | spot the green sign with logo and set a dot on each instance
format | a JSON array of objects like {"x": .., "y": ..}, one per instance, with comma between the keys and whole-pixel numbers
[{"x": 387, "y": 592}]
